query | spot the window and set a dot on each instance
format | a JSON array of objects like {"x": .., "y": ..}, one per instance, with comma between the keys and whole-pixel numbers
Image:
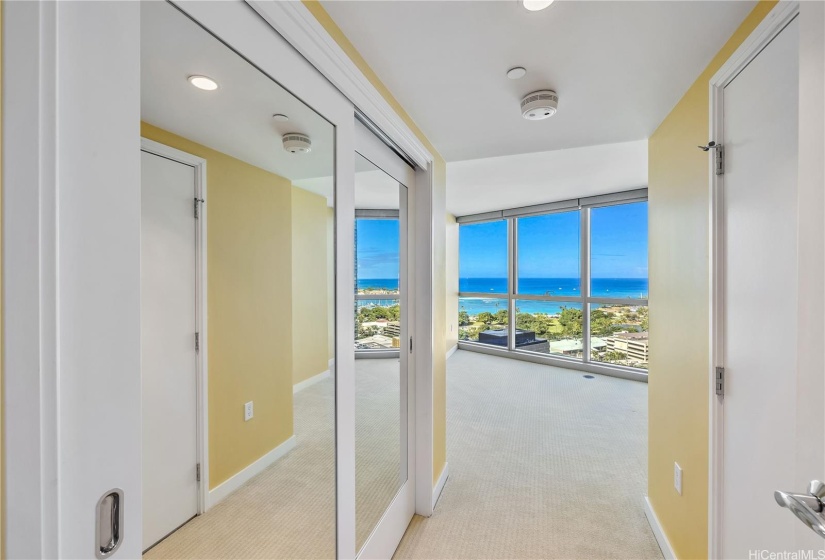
[
  {"x": 570, "y": 283},
  {"x": 377, "y": 303},
  {"x": 483, "y": 305}
]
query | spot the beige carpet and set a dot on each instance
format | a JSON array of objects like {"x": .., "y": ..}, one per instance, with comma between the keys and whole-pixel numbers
[{"x": 543, "y": 464}]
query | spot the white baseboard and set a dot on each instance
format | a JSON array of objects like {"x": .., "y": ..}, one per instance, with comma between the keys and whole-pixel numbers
[
  {"x": 658, "y": 532},
  {"x": 311, "y": 381},
  {"x": 439, "y": 486},
  {"x": 452, "y": 350},
  {"x": 229, "y": 486}
]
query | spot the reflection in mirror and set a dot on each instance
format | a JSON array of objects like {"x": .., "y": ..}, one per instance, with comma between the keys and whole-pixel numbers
[
  {"x": 380, "y": 326},
  {"x": 237, "y": 227}
]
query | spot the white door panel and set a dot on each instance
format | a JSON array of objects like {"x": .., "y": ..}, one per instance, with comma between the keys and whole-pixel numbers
[
  {"x": 169, "y": 367},
  {"x": 760, "y": 110}
]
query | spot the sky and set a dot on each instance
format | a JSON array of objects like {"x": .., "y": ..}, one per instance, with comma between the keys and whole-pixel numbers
[
  {"x": 548, "y": 246},
  {"x": 376, "y": 246}
]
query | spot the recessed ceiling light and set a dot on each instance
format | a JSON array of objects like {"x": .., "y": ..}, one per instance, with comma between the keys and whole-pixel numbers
[
  {"x": 536, "y": 5},
  {"x": 203, "y": 82},
  {"x": 516, "y": 73},
  {"x": 278, "y": 117}
]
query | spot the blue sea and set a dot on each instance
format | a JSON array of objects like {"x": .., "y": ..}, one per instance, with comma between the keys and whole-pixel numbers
[{"x": 630, "y": 288}]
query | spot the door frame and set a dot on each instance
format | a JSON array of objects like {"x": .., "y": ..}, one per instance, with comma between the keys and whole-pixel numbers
[
  {"x": 773, "y": 24},
  {"x": 201, "y": 315}
]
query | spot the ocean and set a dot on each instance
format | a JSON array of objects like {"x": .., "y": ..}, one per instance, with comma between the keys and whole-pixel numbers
[{"x": 630, "y": 288}]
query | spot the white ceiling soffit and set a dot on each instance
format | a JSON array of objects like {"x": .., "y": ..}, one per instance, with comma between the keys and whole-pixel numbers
[
  {"x": 235, "y": 119},
  {"x": 619, "y": 66},
  {"x": 484, "y": 185}
]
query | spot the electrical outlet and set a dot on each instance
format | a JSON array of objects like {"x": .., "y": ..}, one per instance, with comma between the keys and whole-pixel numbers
[
  {"x": 677, "y": 478},
  {"x": 248, "y": 412}
]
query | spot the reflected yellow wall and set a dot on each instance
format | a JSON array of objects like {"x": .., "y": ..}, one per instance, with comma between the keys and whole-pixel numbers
[
  {"x": 679, "y": 309},
  {"x": 331, "y": 282},
  {"x": 250, "y": 349},
  {"x": 2, "y": 329},
  {"x": 439, "y": 235},
  {"x": 310, "y": 285}
]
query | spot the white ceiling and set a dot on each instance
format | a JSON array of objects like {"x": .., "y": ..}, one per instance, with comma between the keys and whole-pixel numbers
[
  {"x": 484, "y": 185},
  {"x": 618, "y": 66},
  {"x": 235, "y": 119}
]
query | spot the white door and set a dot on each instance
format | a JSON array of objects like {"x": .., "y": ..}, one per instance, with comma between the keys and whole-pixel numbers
[
  {"x": 760, "y": 124},
  {"x": 168, "y": 357}
]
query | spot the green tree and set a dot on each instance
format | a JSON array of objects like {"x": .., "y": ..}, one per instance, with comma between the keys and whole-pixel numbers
[
  {"x": 463, "y": 318},
  {"x": 570, "y": 320},
  {"x": 500, "y": 317},
  {"x": 485, "y": 317}
]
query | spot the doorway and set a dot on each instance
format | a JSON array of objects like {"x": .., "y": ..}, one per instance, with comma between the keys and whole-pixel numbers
[
  {"x": 755, "y": 441},
  {"x": 170, "y": 340}
]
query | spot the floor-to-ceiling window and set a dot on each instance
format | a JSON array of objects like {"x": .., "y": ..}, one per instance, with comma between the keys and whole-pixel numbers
[{"x": 567, "y": 281}]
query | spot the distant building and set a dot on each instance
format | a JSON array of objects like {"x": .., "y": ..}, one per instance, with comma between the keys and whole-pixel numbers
[
  {"x": 574, "y": 346},
  {"x": 525, "y": 340},
  {"x": 633, "y": 344}
]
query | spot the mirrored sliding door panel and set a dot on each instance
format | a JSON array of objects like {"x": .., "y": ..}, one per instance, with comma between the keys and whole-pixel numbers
[
  {"x": 380, "y": 344},
  {"x": 238, "y": 246}
]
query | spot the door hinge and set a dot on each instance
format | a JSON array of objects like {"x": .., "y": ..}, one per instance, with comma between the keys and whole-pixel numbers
[
  {"x": 198, "y": 472},
  {"x": 410, "y": 345},
  {"x": 720, "y": 381},
  {"x": 197, "y": 207},
  {"x": 718, "y": 156},
  {"x": 197, "y": 342},
  {"x": 719, "y": 160}
]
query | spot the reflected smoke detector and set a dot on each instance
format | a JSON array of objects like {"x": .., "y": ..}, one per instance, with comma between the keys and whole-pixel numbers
[{"x": 297, "y": 143}]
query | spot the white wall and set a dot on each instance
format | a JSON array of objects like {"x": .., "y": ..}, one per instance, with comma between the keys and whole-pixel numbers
[{"x": 810, "y": 427}]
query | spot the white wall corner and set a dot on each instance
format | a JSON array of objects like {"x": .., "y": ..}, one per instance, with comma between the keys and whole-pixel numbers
[
  {"x": 658, "y": 531},
  {"x": 452, "y": 350},
  {"x": 439, "y": 486},
  {"x": 227, "y": 487}
]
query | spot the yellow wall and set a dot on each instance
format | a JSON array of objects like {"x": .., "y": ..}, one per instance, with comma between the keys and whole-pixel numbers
[
  {"x": 452, "y": 281},
  {"x": 310, "y": 285},
  {"x": 679, "y": 303},
  {"x": 250, "y": 351},
  {"x": 331, "y": 282},
  {"x": 439, "y": 234},
  {"x": 2, "y": 338}
]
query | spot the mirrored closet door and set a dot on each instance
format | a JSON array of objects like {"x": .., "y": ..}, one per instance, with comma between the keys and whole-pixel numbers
[
  {"x": 237, "y": 302},
  {"x": 383, "y": 347}
]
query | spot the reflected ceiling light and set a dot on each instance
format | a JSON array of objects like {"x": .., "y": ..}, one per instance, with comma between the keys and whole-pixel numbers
[
  {"x": 203, "y": 82},
  {"x": 516, "y": 73},
  {"x": 536, "y": 5},
  {"x": 278, "y": 117}
]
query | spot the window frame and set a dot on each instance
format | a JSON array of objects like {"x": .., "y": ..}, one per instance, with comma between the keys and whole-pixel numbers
[{"x": 585, "y": 300}]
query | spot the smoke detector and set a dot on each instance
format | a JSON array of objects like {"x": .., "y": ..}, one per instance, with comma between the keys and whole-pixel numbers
[
  {"x": 297, "y": 143},
  {"x": 539, "y": 105}
]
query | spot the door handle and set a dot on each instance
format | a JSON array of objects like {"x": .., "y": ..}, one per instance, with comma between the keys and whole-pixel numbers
[
  {"x": 809, "y": 507},
  {"x": 109, "y": 523}
]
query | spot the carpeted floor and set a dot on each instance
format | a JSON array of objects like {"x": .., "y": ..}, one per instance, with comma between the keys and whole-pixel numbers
[{"x": 543, "y": 464}]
